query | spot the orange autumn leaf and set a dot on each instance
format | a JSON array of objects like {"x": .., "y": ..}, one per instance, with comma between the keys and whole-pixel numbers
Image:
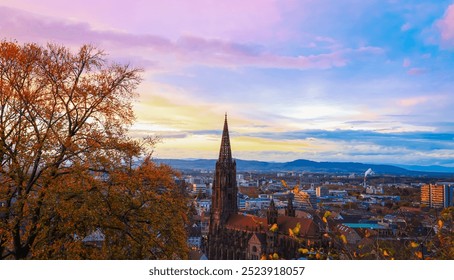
[
  {"x": 418, "y": 254},
  {"x": 440, "y": 224},
  {"x": 296, "y": 229},
  {"x": 343, "y": 238},
  {"x": 327, "y": 214},
  {"x": 303, "y": 250}
]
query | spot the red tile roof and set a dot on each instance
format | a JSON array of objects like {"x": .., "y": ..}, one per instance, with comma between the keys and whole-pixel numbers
[{"x": 246, "y": 222}]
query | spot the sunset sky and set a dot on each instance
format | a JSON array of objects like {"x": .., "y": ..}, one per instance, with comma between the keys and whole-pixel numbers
[{"x": 348, "y": 80}]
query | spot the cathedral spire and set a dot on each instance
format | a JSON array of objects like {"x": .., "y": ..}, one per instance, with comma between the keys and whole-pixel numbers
[
  {"x": 290, "y": 211},
  {"x": 271, "y": 214},
  {"x": 225, "y": 153},
  {"x": 225, "y": 193},
  {"x": 272, "y": 205}
]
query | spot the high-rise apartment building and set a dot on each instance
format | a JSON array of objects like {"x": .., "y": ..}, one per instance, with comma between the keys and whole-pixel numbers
[
  {"x": 439, "y": 195},
  {"x": 322, "y": 191}
]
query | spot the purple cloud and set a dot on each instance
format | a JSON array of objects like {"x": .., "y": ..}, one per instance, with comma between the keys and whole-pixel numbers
[
  {"x": 416, "y": 71},
  {"x": 187, "y": 50}
]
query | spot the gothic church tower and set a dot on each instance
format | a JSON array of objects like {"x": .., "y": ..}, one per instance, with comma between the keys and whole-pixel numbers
[{"x": 224, "y": 199}]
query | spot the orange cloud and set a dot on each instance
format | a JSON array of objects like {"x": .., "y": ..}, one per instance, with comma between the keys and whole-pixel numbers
[
  {"x": 413, "y": 101},
  {"x": 207, "y": 146}
]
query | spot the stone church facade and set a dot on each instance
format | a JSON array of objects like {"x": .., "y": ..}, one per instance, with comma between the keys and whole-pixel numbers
[{"x": 237, "y": 236}]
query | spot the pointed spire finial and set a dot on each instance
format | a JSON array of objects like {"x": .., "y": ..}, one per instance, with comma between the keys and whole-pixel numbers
[
  {"x": 225, "y": 153},
  {"x": 272, "y": 205},
  {"x": 290, "y": 211}
]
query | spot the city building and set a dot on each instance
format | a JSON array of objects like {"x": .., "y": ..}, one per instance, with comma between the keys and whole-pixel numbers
[
  {"x": 351, "y": 236},
  {"x": 374, "y": 190},
  {"x": 195, "y": 237},
  {"x": 305, "y": 200},
  {"x": 256, "y": 203},
  {"x": 199, "y": 188},
  {"x": 233, "y": 235},
  {"x": 242, "y": 204},
  {"x": 321, "y": 191},
  {"x": 203, "y": 206},
  {"x": 439, "y": 195}
]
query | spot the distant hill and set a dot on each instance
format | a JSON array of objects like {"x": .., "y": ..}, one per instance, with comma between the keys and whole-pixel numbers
[
  {"x": 430, "y": 168},
  {"x": 302, "y": 165}
]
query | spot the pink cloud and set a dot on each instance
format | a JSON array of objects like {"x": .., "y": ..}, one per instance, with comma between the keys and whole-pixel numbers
[
  {"x": 27, "y": 27},
  {"x": 446, "y": 26},
  {"x": 413, "y": 101},
  {"x": 228, "y": 54},
  {"x": 429, "y": 100},
  {"x": 170, "y": 18},
  {"x": 184, "y": 51},
  {"x": 407, "y": 26},
  {"x": 416, "y": 71}
]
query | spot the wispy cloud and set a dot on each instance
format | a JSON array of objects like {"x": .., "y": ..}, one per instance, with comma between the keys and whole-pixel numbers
[
  {"x": 446, "y": 27},
  {"x": 421, "y": 147},
  {"x": 416, "y": 71},
  {"x": 402, "y": 139},
  {"x": 186, "y": 50},
  {"x": 405, "y": 27},
  {"x": 418, "y": 100}
]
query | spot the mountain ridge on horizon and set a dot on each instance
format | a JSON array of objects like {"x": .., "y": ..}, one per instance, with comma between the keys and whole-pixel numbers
[{"x": 303, "y": 165}]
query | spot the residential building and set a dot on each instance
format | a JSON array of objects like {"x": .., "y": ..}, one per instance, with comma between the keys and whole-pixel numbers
[
  {"x": 195, "y": 237},
  {"x": 321, "y": 191},
  {"x": 438, "y": 195},
  {"x": 199, "y": 188}
]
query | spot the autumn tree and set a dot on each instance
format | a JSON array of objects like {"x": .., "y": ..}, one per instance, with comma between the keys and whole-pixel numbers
[
  {"x": 66, "y": 161},
  {"x": 442, "y": 244}
]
